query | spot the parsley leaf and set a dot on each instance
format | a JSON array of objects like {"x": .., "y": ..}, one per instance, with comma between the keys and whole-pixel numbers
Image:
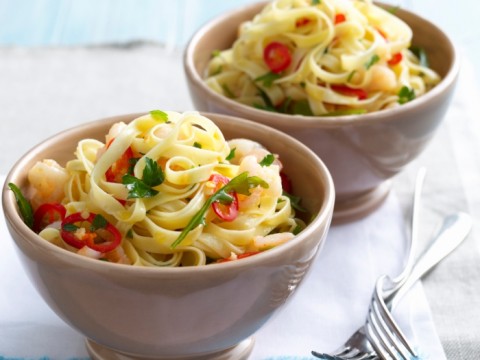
[
  {"x": 374, "y": 59},
  {"x": 142, "y": 188},
  {"x": 267, "y": 160},
  {"x": 197, "y": 145},
  {"x": 227, "y": 91},
  {"x": 268, "y": 78},
  {"x": 216, "y": 53},
  {"x": 23, "y": 205},
  {"x": 295, "y": 202},
  {"x": 405, "y": 95},
  {"x": 159, "y": 115},
  {"x": 241, "y": 184},
  {"x": 316, "y": 2},
  {"x": 231, "y": 154},
  {"x": 70, "y": 227},
  {"x": 152, "y": 173},
  {"x": 99, "y": 222},
  {"x": 420, "y": 54}
]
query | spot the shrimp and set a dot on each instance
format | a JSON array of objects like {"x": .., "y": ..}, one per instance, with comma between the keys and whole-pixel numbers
[
  {"x": 268, "y": 241},
  {"x": 244, "y": 147},
  {"x": 115, "y": 129},
  {"x": 381, "y": 79},
  {"x": 270, "y": 174},
  {"x": 47, "y": 180}
]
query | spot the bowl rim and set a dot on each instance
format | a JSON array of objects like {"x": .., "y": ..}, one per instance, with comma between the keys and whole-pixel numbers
[
  {"x": 314, "y": 121},
  {"x": 15, "y": 221}
]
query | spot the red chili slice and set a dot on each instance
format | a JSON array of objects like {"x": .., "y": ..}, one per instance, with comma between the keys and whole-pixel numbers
[
  {"x": 345, "y": 90},
  {"x": 302, "y": 21},
  {"x": 396, "y": 58},
  {"x": 226, "y": 212},
  {"x": 104, "y": 239},
  {"x": 120, "y": 167},
  {"x": 277, "y": 56},
  {"x": 339, "y": 18},
  {"x": 286, "y": 183},
  {"x": 47, "y": 214}
]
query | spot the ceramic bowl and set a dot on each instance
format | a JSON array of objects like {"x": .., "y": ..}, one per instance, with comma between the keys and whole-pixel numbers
[
  {"x": 362, "y": 152},
  {"x": 206, "y": 312}
]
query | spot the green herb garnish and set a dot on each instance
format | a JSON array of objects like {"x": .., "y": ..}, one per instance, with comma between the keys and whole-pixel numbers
[
  {"x": 350, "y": 76},
  {"x": 143, "y": 188},
  {"x": 295, "y": 202},
  {"x": 99, "y": 222},
  {"x": 216, "y": 53},
  {"x": 301, "y": 107},
  {"x": 227, "y": 91},
  {"x": 268, "y": 78},
  {"x": 374, "y": 59},
  {"x": 24, "y": 206},
  {"x": 316, "y": 2},
  {"x": 420, "y": 54},
  {"x": 405, "y": 95},
  {"x": 241, "y": 184},
  {"x": 70, "y": 227},
  {"x": 159, "y": 115},
  {"x": 197, "y": 145},
  {"x": 231, "y": 154},
  {"x": 267, "y": 160}
]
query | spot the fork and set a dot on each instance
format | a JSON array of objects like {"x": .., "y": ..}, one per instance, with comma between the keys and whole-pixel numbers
[
  {"x": 358, "y": 346},
  {"x": 454, "y": 230}
]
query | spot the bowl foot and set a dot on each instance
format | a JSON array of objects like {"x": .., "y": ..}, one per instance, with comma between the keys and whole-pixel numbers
[
  {"x": 351, "y": 209},
  {"x": 241, "y": 351}
]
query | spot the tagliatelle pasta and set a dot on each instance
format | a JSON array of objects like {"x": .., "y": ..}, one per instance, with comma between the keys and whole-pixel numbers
[
  {"x": 328, "y": 57},
  {"x": 164, "y": 190}
]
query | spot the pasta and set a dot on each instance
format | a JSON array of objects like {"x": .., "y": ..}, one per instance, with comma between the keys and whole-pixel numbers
[
  {"x": 328, "y": 57},
  {"x": 165, "y": 190}
]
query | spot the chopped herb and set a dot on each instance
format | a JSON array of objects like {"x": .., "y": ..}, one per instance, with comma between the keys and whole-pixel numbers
[
  {"x": 142, "y": 188},
  {"x": 302, "y": 107},
  {"x": 24, "y": 206},
  {"x": 231, "y": 154},
  {"x": 375, "y": 58},
  {"x": 159, "y": 115},
  {"x": 393, "y": 10},
  {"x": 295, "y": 202},
  {"x": 197, "y": 145},
  {"x": 420, "y": 54},
  {"x": 241, "y": 184},
  {"x": 285, "y": 106},
  {"x": 70, "y": 227},
  {"x": 303, "y": 84},
  {"x": 218, "y": 71},
  {"x": 130, "y": 233},
  {"x": 350, "y": 76},
  {"x": 227, "y": 91},
  {"x": 268, "y": 103},
  {"x": 316, "y": 2},
  {"x": 216, "y": 53},
  {"x": 405, "y": 95},
  {"x": 297, "y": 229},
  {"x": 99, "y": 222},
  {"x": 267, "y": 160},
  {"x": 268, "y": 78}
]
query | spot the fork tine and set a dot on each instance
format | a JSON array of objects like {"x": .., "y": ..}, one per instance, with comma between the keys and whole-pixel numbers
[
  {"x": 376, "y": 335},
  {"x": 388, "y": 323}
]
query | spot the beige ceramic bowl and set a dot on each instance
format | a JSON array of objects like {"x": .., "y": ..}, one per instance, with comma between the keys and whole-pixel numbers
[
  {"x": 208, "y": 312},
  {"x": 362, "y": 152}
]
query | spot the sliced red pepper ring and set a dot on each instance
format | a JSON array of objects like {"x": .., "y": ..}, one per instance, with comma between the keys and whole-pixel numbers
[
  {"x": 277, "y": 56},
  {"x": 396, "y": 58},
  {"x": 104, "y": 238},
  {"x": 46, "y": 214},
  {"x": 286, "y": 183},
  {"x": 226, "y": 212},
  {"x": 345, "y": 90}
]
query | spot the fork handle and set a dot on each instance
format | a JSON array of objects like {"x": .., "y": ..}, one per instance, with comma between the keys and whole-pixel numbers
[{"x": 454, "y": 230}]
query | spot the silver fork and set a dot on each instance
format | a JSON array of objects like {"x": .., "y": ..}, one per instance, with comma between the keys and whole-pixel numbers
[
  {"x": 357, "y": 346},
  {"x": 454, "y": 230}
]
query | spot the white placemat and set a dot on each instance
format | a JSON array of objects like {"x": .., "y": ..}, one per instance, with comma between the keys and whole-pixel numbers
[{"x": 329, "y": 305}]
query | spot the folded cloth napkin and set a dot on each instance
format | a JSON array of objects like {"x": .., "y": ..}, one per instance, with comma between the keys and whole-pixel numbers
[{"x": 329, "y": 305}]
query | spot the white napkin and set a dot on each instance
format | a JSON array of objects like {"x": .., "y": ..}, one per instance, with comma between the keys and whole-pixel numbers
[{"x": 329, "y": 305}]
